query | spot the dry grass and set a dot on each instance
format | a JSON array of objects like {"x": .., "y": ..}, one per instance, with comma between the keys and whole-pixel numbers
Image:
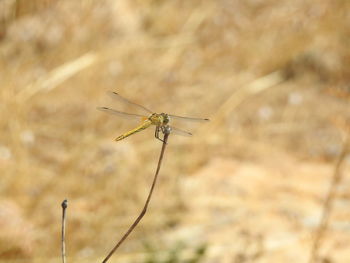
[{"x": 272, "y": 75}]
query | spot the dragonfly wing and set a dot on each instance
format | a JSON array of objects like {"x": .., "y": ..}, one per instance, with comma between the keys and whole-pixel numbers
[
  {"x": 115, "y": 95},
  {"x": 188, "y": 118},
  {"x": 177, "y": 131},
  {"x": 122, "y": 114}
]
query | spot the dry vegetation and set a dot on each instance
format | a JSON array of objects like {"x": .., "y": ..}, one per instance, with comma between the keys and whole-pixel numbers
[{"x": 272, "y": 75}]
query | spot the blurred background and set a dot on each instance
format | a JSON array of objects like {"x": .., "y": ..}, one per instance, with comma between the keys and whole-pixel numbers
[{"x": 273, "y": 77}]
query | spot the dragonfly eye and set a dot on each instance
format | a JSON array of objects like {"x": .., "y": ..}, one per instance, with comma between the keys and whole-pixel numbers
[{"x": 166, "y": 118}]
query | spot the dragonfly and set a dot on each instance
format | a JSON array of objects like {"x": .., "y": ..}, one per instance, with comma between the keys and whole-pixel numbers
[{"x": 160, "y": 120}]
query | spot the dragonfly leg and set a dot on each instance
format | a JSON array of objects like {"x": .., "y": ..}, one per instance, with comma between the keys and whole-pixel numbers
[
  {"x": 165, "y": 130},
  {"x": 156, "y": 134}
]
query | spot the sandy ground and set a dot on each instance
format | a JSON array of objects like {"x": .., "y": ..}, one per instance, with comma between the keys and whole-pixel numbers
[{"x": 249, "y": 186}]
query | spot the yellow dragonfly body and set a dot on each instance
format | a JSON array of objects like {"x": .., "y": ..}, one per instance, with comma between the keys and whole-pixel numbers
[
  {"x": 160, "y": 120},
  {"x": 139, "y": 128}
]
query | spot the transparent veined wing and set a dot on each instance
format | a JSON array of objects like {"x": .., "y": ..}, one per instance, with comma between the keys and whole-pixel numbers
[
  {"x": 115, "y": 95},
  {"x": 188, "y": 118},
  {"x": 177, "y": 131},
  {"x": 124, "y": 115}
]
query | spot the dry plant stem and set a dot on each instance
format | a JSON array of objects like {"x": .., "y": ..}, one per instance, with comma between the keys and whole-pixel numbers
[
  {"x": 63, "y": 233},
  {"x": 328, "y": 204},
  {"x": 143, "y": 212},
  {"x": 58, "y": 75}
]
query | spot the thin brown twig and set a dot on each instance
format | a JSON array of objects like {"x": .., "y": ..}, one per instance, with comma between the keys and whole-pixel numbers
[
  {"x": 143, "y": 212},
  {"x": 328, "y": 204},
  {"x": 63, "y": 233}
]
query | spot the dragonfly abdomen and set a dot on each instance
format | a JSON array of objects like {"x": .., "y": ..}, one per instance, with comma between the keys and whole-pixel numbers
[{"x": 143, "y": 126}]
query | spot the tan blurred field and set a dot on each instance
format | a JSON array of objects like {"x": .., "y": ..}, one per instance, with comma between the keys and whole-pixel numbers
[{"x": 273, "y": 77}]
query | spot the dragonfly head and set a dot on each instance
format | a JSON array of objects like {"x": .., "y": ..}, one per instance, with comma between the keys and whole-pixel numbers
[{"x": 166, "y": 118}]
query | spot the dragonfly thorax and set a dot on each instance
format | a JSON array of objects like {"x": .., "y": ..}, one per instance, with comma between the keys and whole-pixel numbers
[{"x": 159, "y": 119}]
